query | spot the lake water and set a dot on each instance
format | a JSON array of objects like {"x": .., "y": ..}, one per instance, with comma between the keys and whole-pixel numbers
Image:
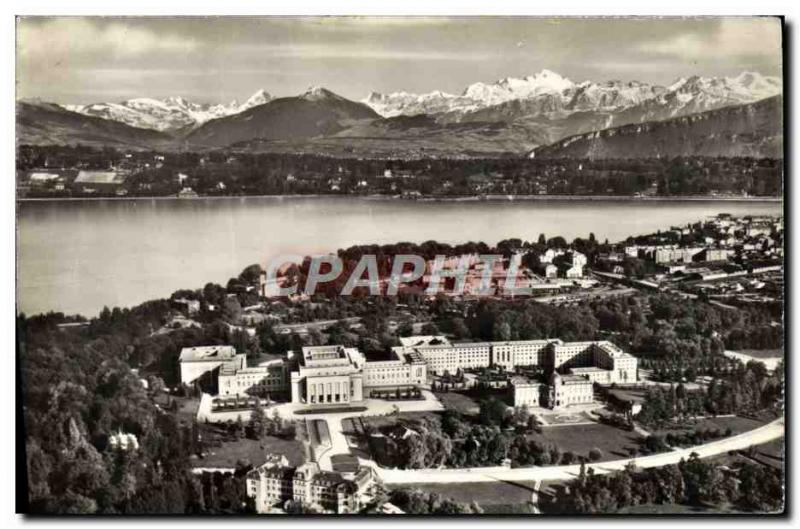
[{"x": 77, "y": 256}]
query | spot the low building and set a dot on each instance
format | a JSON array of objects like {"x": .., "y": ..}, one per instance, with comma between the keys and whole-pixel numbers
[
  {"x": 99, "y": 181},
  {"x": 672, "y": 268},
  {"x": 269, "y": 378},
  {"x": 547, "y": 270},
  {"x": 45, "y": 178},
  {"x": 123, "y": 441},
  {"x": 711, "y": 255},
  {"x": 187, "y": 192},
  {"x": 197, "y": 361},
  {"x": 404, "y": 369},
  {"x": 527, "y": 392},
  {"x": 570, "y": 390},
  {"x": 662, "y": 255},
  {"x": 570, "y": 264},
  {"x": 627, "y": 403},
  {"x": 191, "y": 306}
]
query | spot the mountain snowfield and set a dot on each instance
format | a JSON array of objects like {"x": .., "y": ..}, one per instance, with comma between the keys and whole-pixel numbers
[
  {"x": 548, "y": 92},
  {"x": 170, "y": 114}
]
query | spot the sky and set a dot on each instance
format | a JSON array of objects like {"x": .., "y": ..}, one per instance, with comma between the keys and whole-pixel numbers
[{"x": 85, "y": 60}]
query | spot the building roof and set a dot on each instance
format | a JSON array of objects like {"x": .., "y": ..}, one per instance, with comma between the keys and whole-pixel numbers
[
  {"x": 569, "y": 379},
  {"x": 626, "y": 396},
  {"x": 582, "y": 370},
  {"x": 328, "y": 479},
  {"x": 417, "y": 341},
  {"x": 612, "y": 349},
  {"x": 100, "y": 177},
  {"x": 43, "y": 177},
  {"x": 330, "y": 356},
  {"x": 345, "y": 463},
  {"x": 520, "y": 380},
  {"x": 207, "y": 353}
]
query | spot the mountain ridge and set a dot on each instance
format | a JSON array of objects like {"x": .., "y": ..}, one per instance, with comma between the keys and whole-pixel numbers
[
  {"x": 540, "y": 110},
  {"x": 170, "y": 114},
  {"x": 587, "y": 95},
  {"x": 40, "y": 123},
  {"x": 753, "y": 129},
  {"x": 317, "y": 112}
]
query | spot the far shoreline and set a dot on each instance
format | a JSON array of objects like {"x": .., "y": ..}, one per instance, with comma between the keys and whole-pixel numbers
[{"x": 423, "y": 198}]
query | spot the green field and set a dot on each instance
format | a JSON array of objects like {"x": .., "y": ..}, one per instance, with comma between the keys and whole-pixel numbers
[
  {"x": 252, "y": 452},
  {"x": 580, "y": 439},
  {"x": 378, "y": 422},
  {"x": 762, "y": 353},
  {"x": 736, "y": 424},
  {"x": 498, "y": 493},
  {"x": 773, "y": 449},
  {"x": 652, "y": 509},
  {"x": 458, "y": 402},
  {"x": 186, "y": 406}
]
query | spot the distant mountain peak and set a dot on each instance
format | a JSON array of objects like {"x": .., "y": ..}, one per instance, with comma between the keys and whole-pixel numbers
[
  {"x": 548, "y": 75},
  {"x": 170, "y": 113},
  {"x": 318, "y": 93},
  {"x": 547, "y": 91},
  {"x": 260, "y": 97}
]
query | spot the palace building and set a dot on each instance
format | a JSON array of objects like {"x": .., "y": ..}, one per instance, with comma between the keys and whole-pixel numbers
[
  {"x": 334, "y": 374},
  {"x": 327, "y": 374}
]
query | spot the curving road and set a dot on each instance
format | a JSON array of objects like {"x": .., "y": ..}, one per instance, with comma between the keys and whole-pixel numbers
[{"x": 763, "y": 434}]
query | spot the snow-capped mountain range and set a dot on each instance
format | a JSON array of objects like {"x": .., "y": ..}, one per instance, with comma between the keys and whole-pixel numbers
[
  {"x": 170, "y": 114},
  {"x": 510, "y": 114},
  {"x": 548, "y": 92}
]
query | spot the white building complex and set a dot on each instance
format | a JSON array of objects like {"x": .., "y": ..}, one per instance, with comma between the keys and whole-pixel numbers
[{"x": 334, "y": 374}]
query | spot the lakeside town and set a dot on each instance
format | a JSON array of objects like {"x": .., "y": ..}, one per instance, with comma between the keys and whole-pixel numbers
[
  {"x": 624, "y": 365},
  {"x": 51, "y": 172}
]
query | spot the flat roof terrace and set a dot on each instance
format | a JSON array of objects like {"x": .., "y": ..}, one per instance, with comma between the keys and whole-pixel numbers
[
  {"x": 324, "y": 354},
  {"x": 327, "y": 356},
  {"x": 208, "y": 353}
]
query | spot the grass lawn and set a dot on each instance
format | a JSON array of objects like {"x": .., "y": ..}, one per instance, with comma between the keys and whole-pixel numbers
[
  {"x": 499, "y": 493},
  {"x": 762, "y": 353},
  {"x": 187, "y": 406},
  {"x": 651, "y": 509},
  {"x": 351, "y": 428},
  {"x": 772, "y": 454},
  {"x": 580, "y": 439},
  {"x": 458, "y": 402},
  {"x": 339, "y": 409},
  {"x": 773, "y": 449},
  {"x": 511, "y": 509},
  {"x": 736, "y": 424},
  {"x": 378, "y": 422},
  {"x": 635, "y": 394},
  {"x": 251, "y": 451}
]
